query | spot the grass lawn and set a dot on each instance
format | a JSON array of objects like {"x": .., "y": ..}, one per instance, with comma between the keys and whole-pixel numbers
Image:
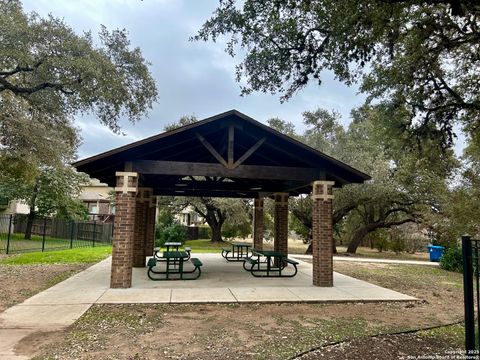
[
  {"x": 18, "y": 244},
  {"x": 70, "y": 256},
  {"x": 24, "y": 275},
  {"x": 278, "y": 331},
  {"x": 298, "y": 247}
]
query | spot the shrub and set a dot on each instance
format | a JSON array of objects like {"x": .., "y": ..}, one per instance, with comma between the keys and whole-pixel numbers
[
  {"x": 452, "y": 259},
  {"x": 204, "y": 232},
  {"x": 172, "y": 233},
  {"x": 381, "y": 244},
  {"x": 397, "y": 245}
]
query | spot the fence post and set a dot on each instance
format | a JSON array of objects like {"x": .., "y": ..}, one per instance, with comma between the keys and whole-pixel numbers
[
  {"x": 94, "y": 232},
  {"x": 468, "y": 293},
  {"x": 72, "y": 229},
  {"x": 44, "y": 231},
  {"x": 9, "y": 232}
]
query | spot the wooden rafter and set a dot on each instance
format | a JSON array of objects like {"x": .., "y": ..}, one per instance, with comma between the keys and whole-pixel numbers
[
  {"x": 212, "y": 150},
  {"x": 248, "y": 153},
  {"x": 231, "y": 134}
]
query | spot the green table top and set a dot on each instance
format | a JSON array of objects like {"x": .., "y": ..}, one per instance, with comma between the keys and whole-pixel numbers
[
  {"x": 269, "y": 253},
  {"x": 173, "y": 244},
  {"x": 175, "y": 255},
  {"x": 241, "y": 244}
]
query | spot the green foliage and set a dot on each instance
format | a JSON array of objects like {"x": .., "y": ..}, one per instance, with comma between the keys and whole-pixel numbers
[
  {"x": 46, "y": 66},
  {"x": 381, "y": 244},
  {"x": 236, "y": 230},
  {"x": 72, "y": 256},
  {"x": 451, "y": 259},
  {"x": 424, "y": 54},
  {"x": 204, "y": 232},
  {"x": 171, "y": 233},
  {"x": 54, "y": 192}
]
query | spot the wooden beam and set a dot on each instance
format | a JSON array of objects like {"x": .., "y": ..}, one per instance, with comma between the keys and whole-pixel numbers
[
  {"x": 212, "y": 150},
  {"x": 204, "y": 193},
  {"x": 209, "y": 169},
  {"x": 248, "y": 153},
  {"x": 222, "y": 186},
  {"x": 231, "y": 133}
]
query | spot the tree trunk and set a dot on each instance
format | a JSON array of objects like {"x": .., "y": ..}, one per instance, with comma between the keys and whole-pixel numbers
[
  {"x": 28, "y": 229},
  {"x": 216, "y": 233},
  {"x": 31, "y": 214},
  {"x": 358, "y": 236}
]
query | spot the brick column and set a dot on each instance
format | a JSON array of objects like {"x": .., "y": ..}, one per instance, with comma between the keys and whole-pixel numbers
[
  {"x": 151, "y": 219},
  {"x": 322, "y": 233},
  {"x": 280, "y": 242},
  {"x": 125, "y": 193},
  {"x": 141, "y": 218},
  {"x": 258, "y": 228}
]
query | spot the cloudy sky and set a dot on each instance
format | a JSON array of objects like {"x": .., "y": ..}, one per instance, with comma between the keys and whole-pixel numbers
[{"x": 192, "y": 78}]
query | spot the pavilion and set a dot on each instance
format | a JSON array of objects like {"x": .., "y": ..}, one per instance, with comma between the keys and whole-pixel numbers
[{"x": 227, "y": 155}]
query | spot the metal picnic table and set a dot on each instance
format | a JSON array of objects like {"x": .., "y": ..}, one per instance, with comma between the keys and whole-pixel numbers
[
  {"x": 239, "y": 251},
  {"x": 172, "y": 258},
  {"x": 273, "y": 265}
]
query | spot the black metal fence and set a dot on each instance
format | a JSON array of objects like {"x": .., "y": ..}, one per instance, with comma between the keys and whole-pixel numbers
[
  {"x": 51, "y": 234},
  {"x": 471, "y": 289}
]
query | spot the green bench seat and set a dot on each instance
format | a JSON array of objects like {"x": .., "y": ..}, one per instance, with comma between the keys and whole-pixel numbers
[{"x": 196, "y": 262}]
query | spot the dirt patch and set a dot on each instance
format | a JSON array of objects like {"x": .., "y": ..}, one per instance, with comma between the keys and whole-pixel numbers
[
  {"x": 19, "y": 282},
  {"x": 404, "y": 346}
]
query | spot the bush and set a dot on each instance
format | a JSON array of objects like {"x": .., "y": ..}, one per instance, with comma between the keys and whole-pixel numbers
[
  {"x": 452, "y": 259},
  {"x": 204, "y": 232},
  {"x": 397, "y": 245},
  {"x": 172, "y": 233},
  {"x": 381, "y": 244}
]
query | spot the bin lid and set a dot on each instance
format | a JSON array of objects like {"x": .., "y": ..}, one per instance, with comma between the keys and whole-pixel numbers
[{"x": 436, "y": 247}]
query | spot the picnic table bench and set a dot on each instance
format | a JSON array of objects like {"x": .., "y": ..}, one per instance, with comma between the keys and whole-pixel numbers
[
  {"x": 171, "y": 270},
  {"x": 273, "y": 264},
  {"x": 238, "y": 252}
]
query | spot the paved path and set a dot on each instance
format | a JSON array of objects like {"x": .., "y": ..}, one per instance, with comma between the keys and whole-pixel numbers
[
  {"x": 372, "y": 260},
  {"x": 221, "y": 282}
]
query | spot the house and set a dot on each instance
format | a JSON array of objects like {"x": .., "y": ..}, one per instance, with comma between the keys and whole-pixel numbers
[{"x": 97, "y": 199}]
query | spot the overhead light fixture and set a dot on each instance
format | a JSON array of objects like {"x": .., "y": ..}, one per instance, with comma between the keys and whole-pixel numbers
[
  {"x": 181, "y": 184},
  {"x": 256, "y": 188},
  {"x": 242, "y": 194},
  {"x": 180, "y": 191}
]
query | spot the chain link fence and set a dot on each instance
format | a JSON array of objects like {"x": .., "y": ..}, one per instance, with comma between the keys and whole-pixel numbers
[{"x": 50, "y": 234}]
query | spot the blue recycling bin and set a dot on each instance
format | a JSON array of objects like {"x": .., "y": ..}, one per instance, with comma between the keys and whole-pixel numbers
[{"x": 435, "y": 252}]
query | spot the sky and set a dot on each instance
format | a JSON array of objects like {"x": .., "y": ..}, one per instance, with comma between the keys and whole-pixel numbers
[{"x": 193, "y": 78}]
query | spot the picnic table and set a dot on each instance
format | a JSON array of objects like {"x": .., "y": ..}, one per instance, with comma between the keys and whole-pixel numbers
[
  {"x": 174, "y": 269},
  {"x": 238, "y": 252},
  {"x": 174, "y": 246},
  {"x": 267, "y": 263}
]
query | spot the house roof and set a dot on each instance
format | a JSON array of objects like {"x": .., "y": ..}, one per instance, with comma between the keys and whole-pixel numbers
[{"x": 227, "y": 155}]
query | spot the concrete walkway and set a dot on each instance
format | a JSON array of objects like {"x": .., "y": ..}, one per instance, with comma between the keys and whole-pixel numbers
[
  {"x": 221, "y": 282},
  {"x": 373, "y": 260}
]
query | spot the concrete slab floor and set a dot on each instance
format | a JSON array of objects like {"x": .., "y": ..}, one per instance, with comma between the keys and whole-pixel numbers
[{"x": 220, "y": 282}]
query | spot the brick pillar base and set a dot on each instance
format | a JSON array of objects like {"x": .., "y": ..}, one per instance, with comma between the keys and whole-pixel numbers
[
  {"x": 280, "y": 242},
  {"x": 124, "y": 227},
  {"x": 150, "y": 238},
  {"x": 258, "y": 228},
  {"x": 322, "y": 233}
]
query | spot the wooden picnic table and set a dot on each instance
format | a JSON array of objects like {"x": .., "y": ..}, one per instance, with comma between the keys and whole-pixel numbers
[
  {"x": 239, "y": 251},
  {"x": 273, "y": 265}
]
